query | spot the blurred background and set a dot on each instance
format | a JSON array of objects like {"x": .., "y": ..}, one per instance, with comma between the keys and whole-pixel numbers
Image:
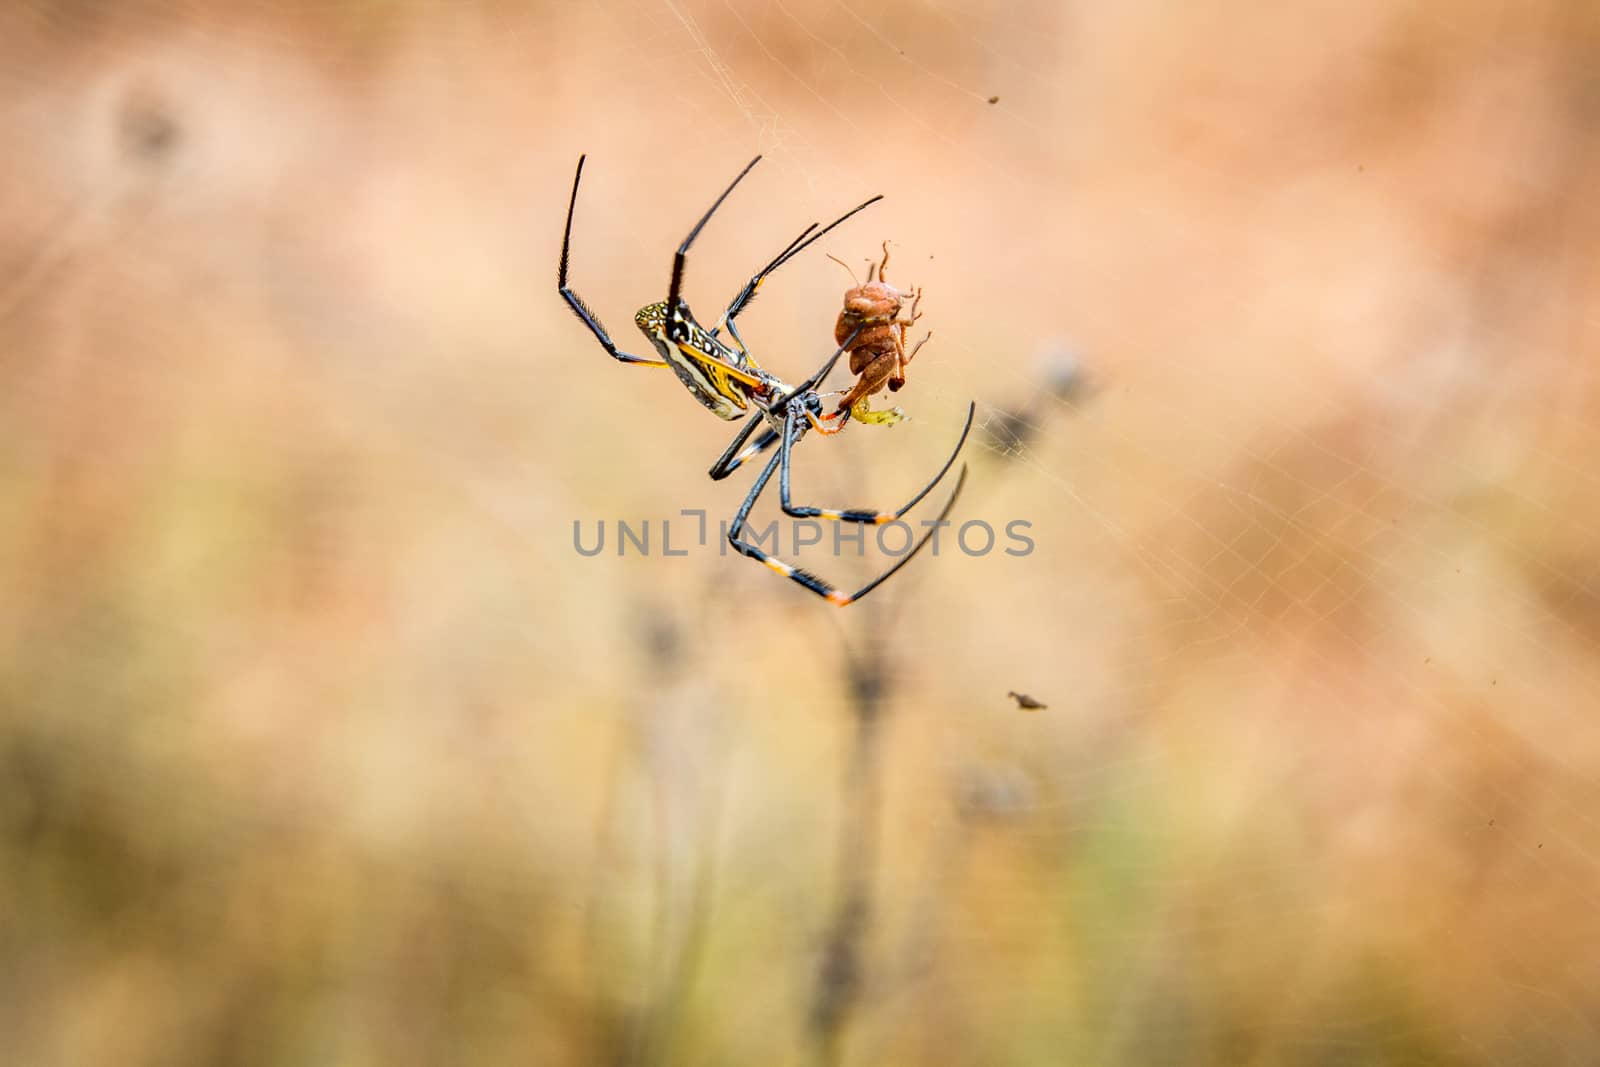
[{"x": 320, "y": 743}]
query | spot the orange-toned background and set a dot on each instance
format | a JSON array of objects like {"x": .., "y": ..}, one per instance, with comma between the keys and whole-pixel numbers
[{"x": 319, "y": 743}]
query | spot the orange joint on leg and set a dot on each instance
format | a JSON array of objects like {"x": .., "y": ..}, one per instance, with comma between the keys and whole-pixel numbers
[
  {"x": 779, "y": 566},
  {"x": 839, "y": 599}
]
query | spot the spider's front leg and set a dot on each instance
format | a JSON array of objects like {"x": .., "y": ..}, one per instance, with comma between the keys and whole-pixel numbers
[
  {"x": 575, "y": 302},
  {"x": 809, "y": 236}
]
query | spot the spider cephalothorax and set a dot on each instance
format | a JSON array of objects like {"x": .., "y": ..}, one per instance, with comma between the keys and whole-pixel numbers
[
  {"x": 876, "y": 314},
  {"x": 727, "y": 380}
]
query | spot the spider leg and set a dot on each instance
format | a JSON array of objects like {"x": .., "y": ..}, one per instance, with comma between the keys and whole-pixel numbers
[
  {"x": 747, "y": 294},
  {"x": 863, "y": 515},
  {"x": 762, "y": 443},
  {"x": 574, "y": 301},
  {"x": 816, "y": 379},
  {"x": 799, "y": 244},
  {"x": 733, "y": 331},
  {"x": 817, "y": 585},
  {"x": 731, "y": 457},
  {"x": 676, "y": 288}
]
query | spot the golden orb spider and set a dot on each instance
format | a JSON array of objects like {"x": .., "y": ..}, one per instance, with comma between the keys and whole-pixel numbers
[{"x": 727, "y": 380}]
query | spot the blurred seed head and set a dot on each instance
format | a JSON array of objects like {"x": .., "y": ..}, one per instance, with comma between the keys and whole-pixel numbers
[
  {"x": 148, "y": 129},
  {"x": 1058, "y": 369},
  {"x": 993, "y": 792}
]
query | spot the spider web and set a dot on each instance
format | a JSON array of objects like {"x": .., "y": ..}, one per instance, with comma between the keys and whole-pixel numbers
[{"x": 1277, "y": 329}]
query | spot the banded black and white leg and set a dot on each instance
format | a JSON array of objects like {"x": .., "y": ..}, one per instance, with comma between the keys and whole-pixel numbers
[
  {"x": 794, "y": 426},
  {"x": 820, "y": 586},
  {"x": 732, "y": 457}
]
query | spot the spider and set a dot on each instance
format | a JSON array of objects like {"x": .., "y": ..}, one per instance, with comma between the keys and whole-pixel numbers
[
  {"x": 727, "y": 380},
  {"x": 875, "y": 315}
]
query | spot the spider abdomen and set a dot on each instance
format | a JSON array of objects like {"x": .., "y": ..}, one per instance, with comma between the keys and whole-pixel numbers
[{"x": 723, "y": 379}]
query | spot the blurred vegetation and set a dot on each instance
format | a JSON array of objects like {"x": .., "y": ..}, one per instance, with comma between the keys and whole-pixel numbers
[{"x": 320, "y": 744}]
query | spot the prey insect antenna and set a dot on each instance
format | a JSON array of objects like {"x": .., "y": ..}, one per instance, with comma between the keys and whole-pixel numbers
[{"x": 848, "y": 269}]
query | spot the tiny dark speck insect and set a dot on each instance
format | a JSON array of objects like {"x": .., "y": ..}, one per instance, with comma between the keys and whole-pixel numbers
[
  {"x": 1026, "y": 702},
  {"x": 994, "y": 100}
]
